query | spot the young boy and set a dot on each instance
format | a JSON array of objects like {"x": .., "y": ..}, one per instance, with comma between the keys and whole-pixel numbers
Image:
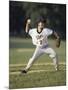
[{"x": 39, "y": 37}]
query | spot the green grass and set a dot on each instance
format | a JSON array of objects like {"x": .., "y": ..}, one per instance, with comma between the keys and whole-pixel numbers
[
  {"x": 20, "y": 52},
  {"x": 38, "y": 79}
]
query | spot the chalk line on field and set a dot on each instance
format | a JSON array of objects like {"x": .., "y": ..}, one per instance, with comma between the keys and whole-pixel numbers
[
  {"x": 32, "y": 71},
  {"x": 40, "y": 64}
]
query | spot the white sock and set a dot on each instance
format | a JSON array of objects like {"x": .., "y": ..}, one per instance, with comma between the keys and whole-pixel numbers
[
  {"x": 55, "y": 61},
  {"x": 29, "y": 64}
]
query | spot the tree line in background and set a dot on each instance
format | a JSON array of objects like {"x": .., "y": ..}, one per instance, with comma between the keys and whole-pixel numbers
[{"x": 55, "y": 14}]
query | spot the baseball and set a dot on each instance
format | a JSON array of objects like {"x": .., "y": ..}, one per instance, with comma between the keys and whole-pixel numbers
[{"x": 29, "y": 21}]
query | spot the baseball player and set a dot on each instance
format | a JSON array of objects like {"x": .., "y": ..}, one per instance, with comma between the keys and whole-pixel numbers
[{"x": 39, "y": 37}]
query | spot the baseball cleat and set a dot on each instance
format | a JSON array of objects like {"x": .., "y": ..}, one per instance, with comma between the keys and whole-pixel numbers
[
  {"x": 56, "y": 68},
  {"x": 23, "y": 71}
]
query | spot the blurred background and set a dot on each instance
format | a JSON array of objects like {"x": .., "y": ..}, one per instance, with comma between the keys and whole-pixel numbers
[{"x": 55, "y": 15}]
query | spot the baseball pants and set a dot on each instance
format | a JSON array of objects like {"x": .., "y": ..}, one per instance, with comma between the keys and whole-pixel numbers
[{"x": 41, "y": 50}]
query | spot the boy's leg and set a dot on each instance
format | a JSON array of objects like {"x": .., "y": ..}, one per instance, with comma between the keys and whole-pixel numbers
[
  {"x": 52, "y": 54},
  {"x": 55, "y": 61},
  {"x": 36, "y": 54}
]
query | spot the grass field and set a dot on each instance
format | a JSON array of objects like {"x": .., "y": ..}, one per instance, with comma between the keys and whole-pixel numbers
[{"x": 42, "y": 73}]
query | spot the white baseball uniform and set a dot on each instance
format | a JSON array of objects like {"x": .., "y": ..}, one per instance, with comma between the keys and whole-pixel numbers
[{"x": 41, "y": 42}]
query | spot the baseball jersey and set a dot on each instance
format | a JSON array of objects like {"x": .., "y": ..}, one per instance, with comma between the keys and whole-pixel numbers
[{"x": 40, "y": 39}]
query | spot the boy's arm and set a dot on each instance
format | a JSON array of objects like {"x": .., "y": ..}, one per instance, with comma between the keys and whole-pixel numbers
[
  {"x": 57, "y": 39},
  {"x": 28, "y": 25}
]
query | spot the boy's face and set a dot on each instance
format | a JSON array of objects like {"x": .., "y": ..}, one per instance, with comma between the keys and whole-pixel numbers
[{"x": 40, "y": 25}]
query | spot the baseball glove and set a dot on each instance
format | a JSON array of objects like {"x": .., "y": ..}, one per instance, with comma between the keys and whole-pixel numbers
[{"x": 58, "y": 42}]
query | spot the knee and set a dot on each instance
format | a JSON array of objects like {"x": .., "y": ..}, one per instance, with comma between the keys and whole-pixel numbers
[{"x": 53, "y": 54}]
